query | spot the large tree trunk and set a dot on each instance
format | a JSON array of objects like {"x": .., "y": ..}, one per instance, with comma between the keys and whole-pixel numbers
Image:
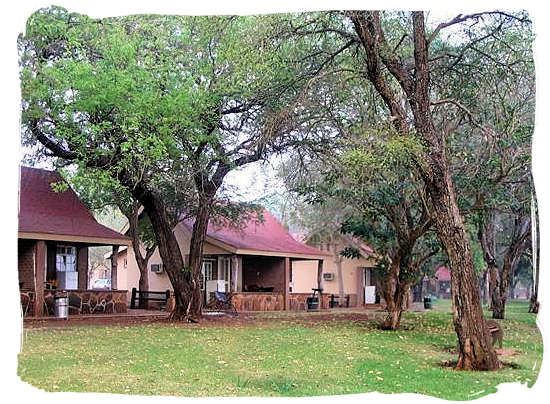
[
  {"x": 535, "y": 246},
  {"x": 198, "y": 236},
  {"x": 395, "y": 293},
  {"x": 475, "y": 347},
  {"x": 184, "y": 290},
  {"x": 476, "y": 351}
]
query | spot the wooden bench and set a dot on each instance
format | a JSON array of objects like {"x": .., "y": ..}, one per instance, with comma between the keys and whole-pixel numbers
[{"x": 145, "y": 295}]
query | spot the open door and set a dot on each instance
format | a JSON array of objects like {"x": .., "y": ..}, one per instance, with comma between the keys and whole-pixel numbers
[
  {"x": 367, "y": 285},
  {"x": 216, "y": 278}
]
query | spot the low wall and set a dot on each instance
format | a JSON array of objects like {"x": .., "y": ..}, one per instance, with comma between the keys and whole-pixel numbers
[
  {"x": 271, "y": 301},
  {"x": 258, "y": 301},
  {"x": 298, "y": 301},
  {"x": 80, "y": 301}
]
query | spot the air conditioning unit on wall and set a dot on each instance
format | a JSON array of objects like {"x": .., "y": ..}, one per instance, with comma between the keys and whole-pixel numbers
[
  {"x": 156, "y": 268},
  {"x": 328, "y": 276}
]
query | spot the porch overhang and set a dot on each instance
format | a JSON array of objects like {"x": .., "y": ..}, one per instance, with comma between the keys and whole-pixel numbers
[
  {"x": 90, "y": 240},
  {"x": 283, "y": 254}
]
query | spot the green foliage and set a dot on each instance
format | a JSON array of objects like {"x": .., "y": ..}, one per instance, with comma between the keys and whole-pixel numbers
[
  {"x": 60, "y": 186},
  {"x": 149, "y": 95}
]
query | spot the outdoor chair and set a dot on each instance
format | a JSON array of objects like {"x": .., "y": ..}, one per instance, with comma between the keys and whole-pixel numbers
[{"x": 222, "y": 302}]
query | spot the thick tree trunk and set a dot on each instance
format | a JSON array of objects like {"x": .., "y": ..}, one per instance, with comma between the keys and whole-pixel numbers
[
  {"x": 198, "y": 236},
  {"x": 476, "y": 351},
  {"x": 186, "y": 306},
  {"x": 397, "y": 306},
  {"x": 396, "y": 294},
  {"x": 475, "y": 347}
]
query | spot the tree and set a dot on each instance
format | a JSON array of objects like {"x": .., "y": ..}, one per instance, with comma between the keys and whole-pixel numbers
[
  {"x": 490, "y": 160},
  {"x": 475, "y": 349},
  {"x": 404, "y": 60},
  {"x": 321, "y": 224},
  {"x": 100, "y": 193},
  {"x": 535, "y": 251},
  {"x": 376, "y": 178},
  {"x": 140, "y": 98},
  {"x": 500, "y": 271},
  {"x": 365, "y": 191}
]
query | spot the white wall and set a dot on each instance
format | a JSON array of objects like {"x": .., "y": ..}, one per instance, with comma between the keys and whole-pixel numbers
[
  {"x": 304, "y": 275},
  {"x": 128, "y": 273}
]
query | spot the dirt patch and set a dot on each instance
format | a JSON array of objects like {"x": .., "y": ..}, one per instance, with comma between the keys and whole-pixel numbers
[
  {"x": 502, "y": 353},
  {"x": 506, "y": 352},
  {"x": 91, "y": 321},
  {"x": 260, "y": 319}
]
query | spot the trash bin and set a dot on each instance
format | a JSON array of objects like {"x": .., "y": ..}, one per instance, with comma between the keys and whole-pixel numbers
[
  {"x": 312, "y": 303},
  {"x": 61, "y": 306},
  {"x": 427, "y": 302}
]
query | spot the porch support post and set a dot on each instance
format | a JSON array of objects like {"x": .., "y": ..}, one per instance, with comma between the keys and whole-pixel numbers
[
  {"x": 114, "y": 267},
  {"x": 286, "y": 293},
  {"x": 361, "y": 283},
  {"x": 39, "y": 271},
  {"x": 82, "y": 267},
  {"x": 320, "y": 281},
  {"x": 234, "y": 274}
]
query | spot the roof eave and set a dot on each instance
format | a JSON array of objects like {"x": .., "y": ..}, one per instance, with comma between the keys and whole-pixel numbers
[{"x": 75, "y": 238}]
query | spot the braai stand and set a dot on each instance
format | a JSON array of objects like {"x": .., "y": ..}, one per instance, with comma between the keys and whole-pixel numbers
[{"x": 313, "y": 302}]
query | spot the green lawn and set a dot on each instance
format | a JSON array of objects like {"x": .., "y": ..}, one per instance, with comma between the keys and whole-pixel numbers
[{"x": 279, "y": 354}]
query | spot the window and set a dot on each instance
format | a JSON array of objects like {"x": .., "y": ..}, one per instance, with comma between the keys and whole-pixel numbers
[
  {"x": 65, "y": 259},
  {"x": 206, "y": 273},
  {"x": 226, "y": 267},
  {"x": 207, "y": 270}
]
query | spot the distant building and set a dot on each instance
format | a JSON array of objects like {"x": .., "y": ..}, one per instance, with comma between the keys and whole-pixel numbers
[{"x": 438, "y": 285}]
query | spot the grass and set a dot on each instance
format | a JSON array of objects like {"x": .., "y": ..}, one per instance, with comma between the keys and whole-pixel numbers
[{"x": 286, "y": 355}]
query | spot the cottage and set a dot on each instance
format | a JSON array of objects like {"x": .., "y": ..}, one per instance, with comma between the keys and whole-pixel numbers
[
  {"x": 263, "y": 266},
  {"x": 358, "y": 281},
  {"x": 438, "y": 285},
  {"x": 255, "y": 261},
  {"x": 55, "y": 231}
]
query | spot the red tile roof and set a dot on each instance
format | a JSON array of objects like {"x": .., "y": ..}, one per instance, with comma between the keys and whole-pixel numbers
[
  {"x": 41, "y": 210},
  {"x": 443, "y": 273},
  {"x": 268, "y": 235}
]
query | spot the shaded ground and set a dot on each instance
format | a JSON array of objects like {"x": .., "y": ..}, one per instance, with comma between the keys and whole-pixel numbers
[
  {"x": 273, "y": 354},
  {"x": 250, "y": 319}
]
